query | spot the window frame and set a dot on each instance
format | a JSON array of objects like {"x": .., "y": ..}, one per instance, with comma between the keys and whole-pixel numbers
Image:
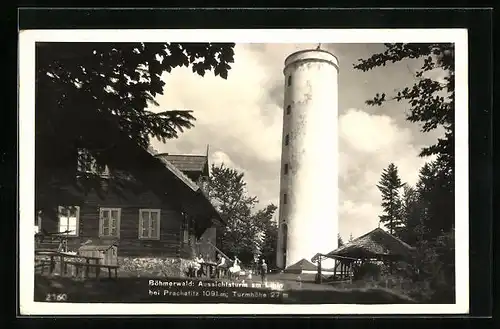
[
  {"x": 118, "y": 222},
  {"x": 285, "y": 169},
  {"x": 77, "y": 228},
  {"x": 285, "y": 198},
  {"x": 288, "y": 109},
  {"x": 287, "y": 139},
  {"x": 141, "y": 223},
  {"x": 289, "y": 81}
]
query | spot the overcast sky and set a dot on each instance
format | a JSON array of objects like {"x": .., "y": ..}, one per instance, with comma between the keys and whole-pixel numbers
[{"x": 241, "y": 119}]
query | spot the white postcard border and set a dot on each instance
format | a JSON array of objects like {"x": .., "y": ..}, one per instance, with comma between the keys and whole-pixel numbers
[{"x": 26, "y": 130}]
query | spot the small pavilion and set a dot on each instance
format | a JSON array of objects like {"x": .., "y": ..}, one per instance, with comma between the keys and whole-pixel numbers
[{"x": 377, "y": 245}]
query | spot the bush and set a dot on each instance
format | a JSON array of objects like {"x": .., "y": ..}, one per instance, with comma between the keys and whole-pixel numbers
[
  {"x": 367, "y": 271},
  {"x": 430, "y": 277}
]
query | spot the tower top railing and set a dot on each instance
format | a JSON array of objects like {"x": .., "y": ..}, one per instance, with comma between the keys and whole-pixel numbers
[{"x": 318, "y": 55}]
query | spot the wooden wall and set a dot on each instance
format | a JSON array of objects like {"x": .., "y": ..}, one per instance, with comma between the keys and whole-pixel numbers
[{"x": 129, "y": 244}]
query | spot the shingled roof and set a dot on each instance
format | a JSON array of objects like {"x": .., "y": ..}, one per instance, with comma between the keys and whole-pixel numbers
[
  {"x": 186, "y": 163},
  {"x": 375, "y": 244},
  {"x": 179, "y": 173},
  {"x": 301, "y": 265}
]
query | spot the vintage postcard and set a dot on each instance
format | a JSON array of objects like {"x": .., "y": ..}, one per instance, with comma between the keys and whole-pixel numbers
[{"x": 243, "y": 172}]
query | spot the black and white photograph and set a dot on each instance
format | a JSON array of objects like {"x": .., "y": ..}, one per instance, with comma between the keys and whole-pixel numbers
[{"x": 265, "y": 171}]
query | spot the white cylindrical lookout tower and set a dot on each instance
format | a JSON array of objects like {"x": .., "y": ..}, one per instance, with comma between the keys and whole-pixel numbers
[{"x": 308, "y": 216}]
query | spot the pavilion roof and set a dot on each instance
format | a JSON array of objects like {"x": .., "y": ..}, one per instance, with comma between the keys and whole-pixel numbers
[{"x": 374, "y": 244}]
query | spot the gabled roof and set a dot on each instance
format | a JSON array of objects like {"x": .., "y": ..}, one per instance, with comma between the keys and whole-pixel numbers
[
  {"x": 302, "y": 265},
  {"x": 186, "y": 163},
  {"x": 164, "y": 178},
  {"x": 187, "y": 181},
  {"x": 376, "y": 243}
]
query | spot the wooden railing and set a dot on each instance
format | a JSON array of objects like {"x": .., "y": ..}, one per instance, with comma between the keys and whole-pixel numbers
[{"x": 219, "y": 251}]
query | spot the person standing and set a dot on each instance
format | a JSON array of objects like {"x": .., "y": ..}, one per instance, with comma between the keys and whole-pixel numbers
[
  {"x": 220, "y": 266},
  {"x": 235, "y": 269},
  {"x": 199, "y": 265},
  {"x": 263, "y": 271}
]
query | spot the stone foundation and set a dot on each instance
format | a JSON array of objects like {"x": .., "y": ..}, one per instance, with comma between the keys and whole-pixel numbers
[
  {"x": 140, "y": 266},
  {"x": 153, "y": 267}
]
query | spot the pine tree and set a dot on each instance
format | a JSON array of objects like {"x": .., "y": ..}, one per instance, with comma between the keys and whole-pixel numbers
[
  {"x": 389, "y": 185},
  {"x": 340, "y": 241},
  {"x": 434, "y": 187}
]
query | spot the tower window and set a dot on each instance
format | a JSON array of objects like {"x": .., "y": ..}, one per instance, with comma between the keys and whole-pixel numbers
[
  {"x": 287, "y": 139},
  {"x": 288, "y": 109},
  {"x": 285, "y": 198},
  {"x": 286, "y": 169},
  {"x": 289, "y": 82}
]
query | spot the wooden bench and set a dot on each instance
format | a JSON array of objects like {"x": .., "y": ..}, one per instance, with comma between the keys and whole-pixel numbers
[
  {"x": 209, "y": 268},
  {"x": 98, "y": 267}
]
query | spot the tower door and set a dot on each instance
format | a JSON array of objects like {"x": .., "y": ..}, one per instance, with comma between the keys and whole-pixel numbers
[{"x": 285, "y": 241}]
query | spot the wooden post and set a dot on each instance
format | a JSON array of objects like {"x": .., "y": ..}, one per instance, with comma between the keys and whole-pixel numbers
[
  {"x": 52, "y": 264},
  {"x": 86, "y": 275},
  {"x": 61, "y": 266},
  {"x": 320, "y": 277}
]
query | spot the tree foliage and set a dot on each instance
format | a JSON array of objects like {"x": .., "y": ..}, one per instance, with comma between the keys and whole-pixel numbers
[
  {"x": 390, "y": 185},
  {"x": 246, "y": 231},
  {"x": 93, "y": 95},
  {"x": 428, "y": 209},
  {"x": 432, "y": 102},
  {"x": 410, "y": 214},
  {"x": 269, "y": 227},
  {"x": 436, "y": 195}
]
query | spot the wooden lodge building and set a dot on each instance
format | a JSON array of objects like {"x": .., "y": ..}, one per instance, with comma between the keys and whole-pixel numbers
[{"x": 157, "y": 210}]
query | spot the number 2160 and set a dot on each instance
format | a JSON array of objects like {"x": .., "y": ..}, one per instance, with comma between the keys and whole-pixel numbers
[{"x": 56, "y": 297}]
